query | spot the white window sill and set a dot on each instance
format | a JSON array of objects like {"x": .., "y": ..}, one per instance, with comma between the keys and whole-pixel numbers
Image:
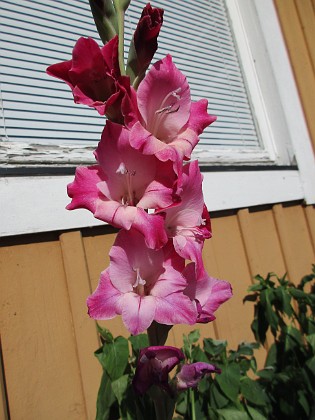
[{"x": 37, "y": 204}]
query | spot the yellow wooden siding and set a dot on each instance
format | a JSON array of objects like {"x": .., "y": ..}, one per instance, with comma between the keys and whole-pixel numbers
[
  {"x": 47, "y": 339},
  {"x": 297, "y": 19}
]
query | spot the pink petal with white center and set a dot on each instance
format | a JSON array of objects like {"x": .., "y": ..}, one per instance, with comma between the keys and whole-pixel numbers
[
  {"x": 130, "y": 250},
  {"x": 164, "y": 100},
  {"x": 102, "y": 303},
  {"x": 177, "y": 150},
  {"x": 115, "y": 213},
  {"x": 83, "y": 190},
  {"x": 122, "y": 274},
  {"x": 175, "y": 309},
  {"x": 132, "y": 178},
  {"x": 137, "y": 312}
]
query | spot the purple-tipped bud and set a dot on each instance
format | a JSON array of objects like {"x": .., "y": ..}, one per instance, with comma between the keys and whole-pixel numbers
[
  {"x": 190, "y": 375},
  {"x": 154, "y": 365},
  {"x": 144, "y": 43}
]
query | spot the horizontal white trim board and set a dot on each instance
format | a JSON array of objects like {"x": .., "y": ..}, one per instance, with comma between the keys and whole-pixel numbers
[{"x": 37, "y": 204}]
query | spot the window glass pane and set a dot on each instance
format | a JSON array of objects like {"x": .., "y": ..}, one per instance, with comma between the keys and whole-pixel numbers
[{"x": 38, "y": 108}]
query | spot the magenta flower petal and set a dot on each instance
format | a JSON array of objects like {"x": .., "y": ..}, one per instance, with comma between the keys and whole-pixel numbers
[
  {"x": 154, "y": 365},
  {"x": 143, "y": 286},
  {"x": 152, "y": 228},
  {"x": 164, "y": 88},
  {"x": 138, "y": 312},
  {"x": 191, "y": 374},
  {"x": 188, "y": 223},
  {"x": 175, "y": 309},
  {"x": 124, "y": 185},
  {"x": 207, "y": 292},
  {"x": 102, "y": 304},
  {"x": 170, "y": 124},
  {"x": 199, "y": 118},
  {"x": 83, "y": 190},
  {"x": 92, "y": 73}
]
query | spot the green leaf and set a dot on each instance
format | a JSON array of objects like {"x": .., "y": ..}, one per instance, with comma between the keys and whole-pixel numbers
[
  {"x": 285, "y": 301},
  {"x": 119, "y": 387},
  {"x": 259, "y": 325},
  {"x": 198, "y": 355},
  {"x": 181, "y": 405},
  {"x": 214, "y": 347},
  {"x": 105, "y": 398},
  {"x": 232, "y": 414},
  {"x": 271, "y": 359},
  {"x": 105, "y": 334},
  {"x": 217, "y": 398},
  {"x": 297, "y": 294},
  {"x": 247, "y": 348},
  {"x": 310, "y": 365},
  {"x": 266, "y": 373},
  {"x": 114, "y": 357},
  {"x": 253, "y": 392},
  {"x": 229, "y": 381},
  {"x": 266, "y": 298},
  {"x": 293, "y": 339},
  {"x": 311, "y": 341},
  {"x": 194, "y": 336},
  {"x": 254, "y": 414},
  {"x": 138, "y": 342},
  {"x": 304, "y": 403}
]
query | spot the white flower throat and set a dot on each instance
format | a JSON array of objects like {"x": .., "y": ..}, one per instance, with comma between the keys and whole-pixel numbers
[
  {"x": 139, "y": 283},
  {"x": 166, "y": 109},
  {"x": 129, "y": 198}
]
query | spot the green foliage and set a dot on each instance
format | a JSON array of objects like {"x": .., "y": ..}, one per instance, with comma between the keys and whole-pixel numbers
[
  {"x": 282, "y": 389},
  {"x": 116, "y": 398}
]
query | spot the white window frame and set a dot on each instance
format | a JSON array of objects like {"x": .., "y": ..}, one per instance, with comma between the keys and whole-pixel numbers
[{"x": 37, "y": 203}]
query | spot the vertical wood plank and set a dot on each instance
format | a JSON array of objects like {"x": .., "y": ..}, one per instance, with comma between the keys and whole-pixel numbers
[
  {"x": 264, "y": 253},
  {"x": 85, "y": 332},
  {"x": 295, "y": 240},
  {"x": 4, "y": 415},
  {"x": 310, "y": 217},
  {"x": 39, "y": 350},
  {"x": 261, "y": 242},
  {"x": 300, "y": 58},
  {"x": 307, "y": 18},
  {"x": 225, "y": 258}
]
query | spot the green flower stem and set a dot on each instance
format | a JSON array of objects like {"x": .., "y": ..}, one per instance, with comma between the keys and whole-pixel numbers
[
  {"x": 192, "y": 403},
  {"x": 121, "y": 26},
  {"x": 164, "y": 405}
]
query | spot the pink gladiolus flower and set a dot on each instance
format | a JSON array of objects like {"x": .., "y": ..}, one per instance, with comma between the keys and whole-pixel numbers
[
  {"x": 170, "y": 123},
  {"x": 207, "y": 292},
  {"x": 94, "y": 77},
  {"x": 153, "y": 367},
  {"x": 190, "y": 375},
  {"x": 123, "y": 184},
  {"x": 141, "y": 286},
  {"x": 188, "y": 224}
]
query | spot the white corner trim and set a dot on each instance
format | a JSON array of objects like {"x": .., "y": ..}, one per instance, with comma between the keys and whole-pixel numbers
[{"x": 37, "y": 204}]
